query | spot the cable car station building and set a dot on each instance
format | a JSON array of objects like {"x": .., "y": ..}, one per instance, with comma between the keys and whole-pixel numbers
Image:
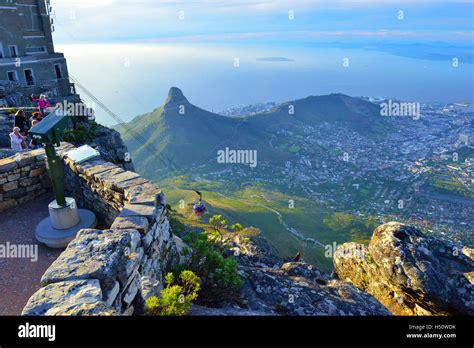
[{"x": 27, "y": 56}]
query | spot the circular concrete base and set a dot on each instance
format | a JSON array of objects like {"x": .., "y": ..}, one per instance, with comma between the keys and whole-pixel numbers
[
  {"x": 63, "y": 217},
  {"x": 59, "y": 239}
]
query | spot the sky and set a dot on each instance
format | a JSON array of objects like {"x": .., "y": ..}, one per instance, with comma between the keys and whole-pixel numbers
[
  {"x": 221, "y": 20},
  {"x": 286, "y": 49}
]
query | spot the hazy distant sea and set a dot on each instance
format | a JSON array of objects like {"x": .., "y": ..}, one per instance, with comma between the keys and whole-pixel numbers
[{"x": 134, "y": 79}]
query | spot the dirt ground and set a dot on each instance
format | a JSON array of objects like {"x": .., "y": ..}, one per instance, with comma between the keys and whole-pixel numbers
[{"x": 20, "y": 277}]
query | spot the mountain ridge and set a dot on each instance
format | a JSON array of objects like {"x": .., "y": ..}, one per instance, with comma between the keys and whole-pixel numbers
[{"x": 191, "y": 136}]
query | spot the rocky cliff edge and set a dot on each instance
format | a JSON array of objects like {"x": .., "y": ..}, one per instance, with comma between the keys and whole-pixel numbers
[{"x": 410, "y": 273}]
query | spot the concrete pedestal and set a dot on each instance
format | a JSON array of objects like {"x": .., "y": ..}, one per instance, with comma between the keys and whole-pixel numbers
[
  {"x": 63, "y": 223},
  {"x": 63, "y": 218}
]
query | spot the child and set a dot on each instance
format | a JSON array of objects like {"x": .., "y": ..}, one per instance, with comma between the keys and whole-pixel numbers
[
  {"x": 35, "y": 116},
  {"x": 17, "y": 139},
  {"x": 42, "y": 103},
  {"x": 34, "y": 144}
]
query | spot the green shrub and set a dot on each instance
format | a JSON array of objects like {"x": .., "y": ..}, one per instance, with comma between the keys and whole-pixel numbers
[
  {"x": 222, "y": 235},
  {"x": 216, "y": 270},
  {"x": 226, "y": 275},
  {"x": 209, "y": 249},
  {"x": 177, "y": 297}
]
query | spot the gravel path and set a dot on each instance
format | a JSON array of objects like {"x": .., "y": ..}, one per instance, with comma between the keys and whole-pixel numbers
[{"x": 20, "y": 277}]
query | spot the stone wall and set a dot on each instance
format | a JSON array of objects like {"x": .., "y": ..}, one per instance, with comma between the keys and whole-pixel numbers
[
  {"x": 87, "y": 184},
  {"x": 111, "y": 271},
  {"x": 22, "y": 178},
  {"x": 103, "y": 187}
]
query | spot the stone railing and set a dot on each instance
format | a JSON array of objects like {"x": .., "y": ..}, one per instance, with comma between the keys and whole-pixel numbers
[
  {"x": 22, "y": 178},
  {"x": 102, "y": 186},
  {"x": 111, "y": 271}
]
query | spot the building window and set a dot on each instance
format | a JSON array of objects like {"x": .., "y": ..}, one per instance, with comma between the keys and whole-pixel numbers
[
  {"x": 1, "y": 51},
  {"x": 13, "y": 51},
  {"x": 29, "y": 77},
  {"x": 12, "y": 76},
  {"x": 35, "y": 50},
  {"x": 57, "y": 69}
]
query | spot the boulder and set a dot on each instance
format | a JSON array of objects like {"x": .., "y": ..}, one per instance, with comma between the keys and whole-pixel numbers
[
  {"x": 69, "y": 298},
  {"x": 94, "y": 254},
  {"x": 409, "y": 272}
]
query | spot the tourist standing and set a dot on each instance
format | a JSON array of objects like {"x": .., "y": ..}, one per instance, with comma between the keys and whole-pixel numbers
[
  {"x": 42, "y": 103},
  {"x": 17, "y": 139},
  {"x": 21, "y": 122}
]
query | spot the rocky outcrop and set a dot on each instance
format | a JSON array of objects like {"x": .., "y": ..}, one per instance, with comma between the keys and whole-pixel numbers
[
  {"x": 12, "y": 94},
  {"x": 410, "y": 273},
  {"x": 273, "y": 287},
  {"x": 175, "y": 98},
  {"x": 111, "y": 147}
]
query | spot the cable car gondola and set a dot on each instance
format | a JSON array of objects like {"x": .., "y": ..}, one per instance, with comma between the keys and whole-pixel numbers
[{"x": 199, "y": 208}]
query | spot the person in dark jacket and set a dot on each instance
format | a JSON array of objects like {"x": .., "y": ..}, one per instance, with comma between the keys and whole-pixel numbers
[{"x": 21, "y": 122}]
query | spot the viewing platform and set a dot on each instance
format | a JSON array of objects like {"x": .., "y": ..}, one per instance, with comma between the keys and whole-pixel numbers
[
  {"x": 21, "y": 276},
  {"x": 109, "y": 270}
]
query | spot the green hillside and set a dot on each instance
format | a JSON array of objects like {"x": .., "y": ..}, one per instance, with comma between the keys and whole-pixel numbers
[
  {"x": 179, "y": 135},
  {"x": 359, "y": 115}
]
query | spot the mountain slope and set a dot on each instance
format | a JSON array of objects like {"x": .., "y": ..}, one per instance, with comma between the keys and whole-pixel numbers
[
  {"x": 180, "y": 135},
  {"x": 357, "y": 114}
]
